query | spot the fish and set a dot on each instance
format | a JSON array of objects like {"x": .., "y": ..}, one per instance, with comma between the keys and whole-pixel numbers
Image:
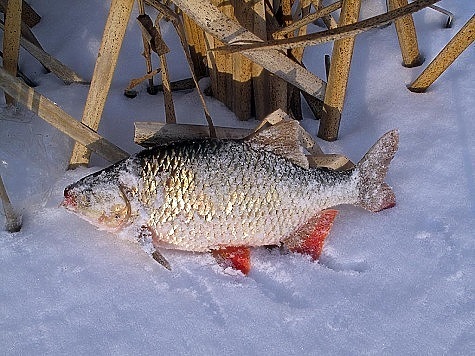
[{"x": 227, "y": 196}]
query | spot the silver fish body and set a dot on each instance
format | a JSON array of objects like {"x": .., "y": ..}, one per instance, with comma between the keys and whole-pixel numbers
[{"x": 208, "y": 194}]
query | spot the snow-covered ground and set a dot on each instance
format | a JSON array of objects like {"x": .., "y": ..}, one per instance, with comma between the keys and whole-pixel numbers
[{"x": 397, "y": 282}]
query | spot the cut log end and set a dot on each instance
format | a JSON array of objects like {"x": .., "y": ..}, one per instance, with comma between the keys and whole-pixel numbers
[{"x": 13, "y": 223}]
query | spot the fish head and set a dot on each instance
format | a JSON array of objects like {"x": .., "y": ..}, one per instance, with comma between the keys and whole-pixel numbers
[{"x": 102, "y": 202}]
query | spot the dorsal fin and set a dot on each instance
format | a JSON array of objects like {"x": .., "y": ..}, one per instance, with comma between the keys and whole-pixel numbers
[{"x": 282, "y": 139}]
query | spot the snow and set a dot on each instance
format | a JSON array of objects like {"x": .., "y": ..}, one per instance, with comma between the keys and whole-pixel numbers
[{"x": 397, "y": 282}]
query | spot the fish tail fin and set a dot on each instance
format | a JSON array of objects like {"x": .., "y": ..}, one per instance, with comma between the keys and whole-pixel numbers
[{"x": 373, "y": 193}]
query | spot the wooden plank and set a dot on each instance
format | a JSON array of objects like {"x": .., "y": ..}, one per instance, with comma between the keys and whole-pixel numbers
[
  {"x": 51, "y": 113},
  {"x": 260, "y": 77},
  {"x": 11, "y": 39},
  {"x": 338, "y": 76},
  {"x": 446, "y": 57},
  {"x": 316, "y": 38},
  {"x": 228, "y": 31},
  {"x": 197, "y": 44},
  {"x": 103, "y": 71},
  {"x": 406, "y": 33},
  {"x": 153, "y": 133},
  {"x": 242, "y": 67},
  {"x": 63, "y": 72}
]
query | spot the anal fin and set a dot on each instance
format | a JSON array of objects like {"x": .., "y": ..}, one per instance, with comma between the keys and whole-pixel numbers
[
  {"x": 309, "y": 238},
  {"x": 237, "y": 257}
]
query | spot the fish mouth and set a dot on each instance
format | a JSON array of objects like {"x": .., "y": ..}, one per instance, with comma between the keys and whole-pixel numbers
[{"x": 69, "y": 201}]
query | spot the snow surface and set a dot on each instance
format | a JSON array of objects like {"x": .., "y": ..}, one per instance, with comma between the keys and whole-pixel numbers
[{"x": 397, "y": 282}]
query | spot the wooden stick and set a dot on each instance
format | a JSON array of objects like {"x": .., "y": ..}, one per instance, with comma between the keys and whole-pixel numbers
[
  {"x": 51, "y": 113},
  {"x": 406, "y": 33},
  {"x": 146, "y": 46},
  {"x": 304, "y": 21},
  {"x": 445, "y": 58},
  {"x": 136, "y": 81},
  {"x": 170, "y": 115},
  {"x": 12, "y": 219},
  {"x": 104, "y": 69},
  {"x": 331, "y": 34},
  {"x": 64, "y": 73},
  {"x": 338, "y": 76},
  {"x": 11, "y": 39}
]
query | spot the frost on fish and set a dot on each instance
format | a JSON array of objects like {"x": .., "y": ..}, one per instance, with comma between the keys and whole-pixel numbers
[{"x": 213, "y": 195}]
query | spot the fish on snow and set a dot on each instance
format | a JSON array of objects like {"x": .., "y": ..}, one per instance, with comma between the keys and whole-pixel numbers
[{"x": 225, "y": 196}]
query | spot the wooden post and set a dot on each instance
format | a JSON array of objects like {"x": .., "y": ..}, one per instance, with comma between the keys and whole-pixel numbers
[
  {"x": 406, "y": 33},
  {"x": 11, "y": 40},
  {"x": 113, "y": 36},
  {"x": 338, "y": 76},
  {"x": 12, "y": 218},
  {"x": 241, "y": 66},
  {"x": 55, "y": 116},
  {"x": 444, "y": 59}
]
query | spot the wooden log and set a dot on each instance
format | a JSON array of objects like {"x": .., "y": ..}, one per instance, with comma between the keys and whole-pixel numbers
[
  {"x": 63, "y": 72},
  {"x": 11, "y": 39},
  {"x": 149, "y": 134},
  {"x": 108, "y": 55},
  {"x": 445, "y": 58},
  {"x": 12, "y": 218},
  {"x": 51, "y": 113},
  {"x": 338, "y": 76},
  {"x": 316, "y": 38},
  {"x": 406, "y": 33},
  {"x": 228, "y": 31}
]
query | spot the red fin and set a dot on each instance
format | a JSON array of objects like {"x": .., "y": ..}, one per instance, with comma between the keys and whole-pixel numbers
[
  {"x": 309, "y": 238},
  {"x": 236, "y": 257}
]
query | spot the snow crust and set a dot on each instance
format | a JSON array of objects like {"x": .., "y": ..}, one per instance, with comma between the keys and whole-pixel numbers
[{"x": 397, "y": 282}]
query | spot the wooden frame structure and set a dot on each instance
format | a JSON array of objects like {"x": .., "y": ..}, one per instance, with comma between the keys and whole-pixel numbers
[{"x": 262, "y": 43}]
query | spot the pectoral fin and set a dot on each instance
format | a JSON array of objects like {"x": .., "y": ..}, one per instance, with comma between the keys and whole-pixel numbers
[
  {"x": 237, "y": 257},
  {"x": 309, "y": 238},
  {"x": 146, "y": 233}
]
